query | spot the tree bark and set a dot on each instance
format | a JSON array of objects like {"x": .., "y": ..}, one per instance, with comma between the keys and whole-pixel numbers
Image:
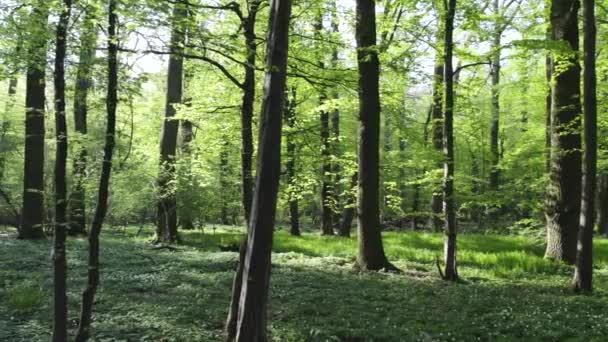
[
  {"x": 187, "y": 135},
  {"x": 437, "y": 133},
  {"x": 33, "y": 171},
  {"x": 450, "y": 272},
  {"x": 60, "y": 269},
  {"x": 166, "y": 222},
  {"x": 371, "y": 251},
  {"x": 290, "y": 165},
  {"x": 255, "y": 277},
  {"x": 6, "y": 124},
  {"x": 327, "y": 212},
  {"x": 335, "y": 130},
  {"x": 247, "y": 107},
  {"x": 348, "y": 213},
  {"x": 88, "y": 40},
  {"x": 495, "y": 90},
  {"x": 563, "y": 198},
  {"x": 88, "y": 296},
  {"x": 583, "y": 271},
  {"x": 223, "y": 178}
]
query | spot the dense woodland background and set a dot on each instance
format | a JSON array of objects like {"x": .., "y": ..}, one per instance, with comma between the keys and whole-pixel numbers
[{"x": 194, "y": 117}]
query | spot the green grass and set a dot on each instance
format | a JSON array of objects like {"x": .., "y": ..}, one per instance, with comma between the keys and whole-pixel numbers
[{"x": 509, "y": 291}]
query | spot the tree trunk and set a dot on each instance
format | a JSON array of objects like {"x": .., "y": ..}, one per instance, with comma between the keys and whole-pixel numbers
[
  {"x": 548, "y": 134},
  {"x": 166, "y": 222},
  {"x": 255, "y": 277},
  {"x": 450, "y": 271},
  {"x": 602, "y": 211},
  {"x": 88, "y": 296},
  {"x": 60, "y": 298},
  {"x": 348, "y": 214},
  {"x": 33, "y": 170},
  {"x": 583, "y": 272},
  {"x": 6, "y": 124},
  {"x": 77, "y": 213},
  {"x": 335, "y": 131},
  {"x": 187, "y": 134},
  {"x": 290, "y": 165},
  {"x": 327, "y": 212},
  {"x": 247, "y": 107},
  {"x": 223, "y": 178},
  {"x": 563, "y": 198},
  {"x": 371, "y": 251},
  {"x": 437, "y": 123},
  {"x": 495, "y": 123}
]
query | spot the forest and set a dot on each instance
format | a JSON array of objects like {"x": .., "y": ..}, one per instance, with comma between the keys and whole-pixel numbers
[{"x": 313, "y": 170}]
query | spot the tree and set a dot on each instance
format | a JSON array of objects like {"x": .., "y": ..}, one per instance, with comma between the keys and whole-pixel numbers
[
  {"x": 88, "y": 296},
  {"x": 166, "y": 221},
  {"x": 437, "y": 120},
  {"x": 290, "y": 164},
  {"x": 88, "y": 40},
  {"x": 371, "y": 251},
  {"x": 255, "y": 274},
  {"x": 583, "y": 271},
  {"x": 602, "y": 205},
  {"x": 248, "y": 87},
  {"x": 563, "y": 198},
  {"x": 450, "y": 272},
  {"x": 33, "y": 171},
  {"x": 60, "y": 298}
]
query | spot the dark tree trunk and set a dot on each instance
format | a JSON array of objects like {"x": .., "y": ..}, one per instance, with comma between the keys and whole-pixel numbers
[
  {"x": 495, "y": 123},
  {"x": 60, "y": 269},
  {"x": 450, "y": 271},
  {"x": 335, "y": 131},
  {"x": 327, "y": 212},
  {"x": 290, "y": 165},
  {"x": 88, "y": 296},
  {"x": 371, "y": 251},
  {"x": 583, "y": 272},
  {"x": 348, "y": 213},
  {"x": 6, "y": 124},
  {"x": 33, "y": 171},
  {"x": 563, "y": 198},
  {"x": 88, "y": 40},
  {"x": 247, "y": 107},
  {"x": 166, "y": 222},
  {"x": 437, "y": 123},
  {"x": 187, "y": 134},
  {"x": 255, "y": 277},
  {"x": 223, "y": 177},
  {"x": 602, "y": 210}
]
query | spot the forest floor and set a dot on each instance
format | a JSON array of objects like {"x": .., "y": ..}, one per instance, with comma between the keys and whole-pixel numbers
[{"x": 509, "y": 292}]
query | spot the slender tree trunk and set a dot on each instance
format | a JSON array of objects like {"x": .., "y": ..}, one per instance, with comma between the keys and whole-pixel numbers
[
  {"x": 6, "y": 124},
  {"x": 60, "y": 269},
  {"x": 495, "y": 123},
  {"x": 247, "y": 107},
  {"x": 166, "y": 223},
  {"x": 437, "y": 122},
  {"x": 563, "y": 198},
  {"x": 335, "y": 130},
  {"x": 88, "y": 296},
  {"x": 33, "y": 171},
  {"x": 223, "y": 177},
  {"x": 255, "y": 277},
  {"x": 348, "y": 213},
  {"x": 88, "y": 40},
  {"x": 327, "y": 212},
  {"x": 187, "y": 134},
  {"x": 371, "y": 251},
  {"x": 583, "y": 272},
  {"x": 548, "y": 133},
  {"x": 450, "y": 271},
  {"x": 602, "y": 204},
  {"x": 290, "y": 165}
]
